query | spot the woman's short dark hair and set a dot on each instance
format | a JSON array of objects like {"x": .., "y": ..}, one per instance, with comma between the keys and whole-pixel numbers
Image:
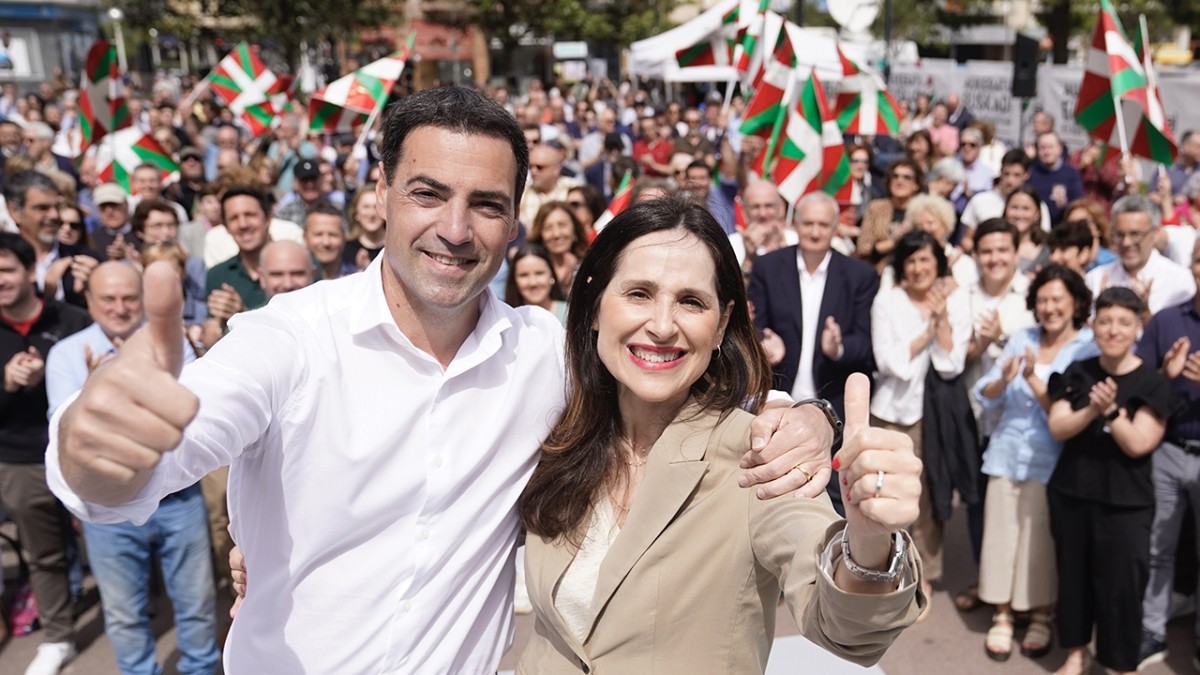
[
  {"x": 1119, "y": 296},
  {"x": 512, "y": 295},
  {"x": 144, "y": 208},
  {"x": 1075, "y": 285},
  {"x": 578, "y": 458},
  {"x": 912, "y": 242}
]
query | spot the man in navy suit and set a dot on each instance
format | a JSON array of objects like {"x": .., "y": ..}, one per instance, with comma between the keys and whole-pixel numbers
[{"x": 813, "y": 305}]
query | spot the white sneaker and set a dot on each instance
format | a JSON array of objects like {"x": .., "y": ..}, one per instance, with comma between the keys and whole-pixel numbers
[{"x": 51, "y": 657}]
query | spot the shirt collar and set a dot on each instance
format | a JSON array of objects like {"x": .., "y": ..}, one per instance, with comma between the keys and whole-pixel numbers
[
  {"x": 822, "y": 268},
  {"x": 370, "y": 312}
]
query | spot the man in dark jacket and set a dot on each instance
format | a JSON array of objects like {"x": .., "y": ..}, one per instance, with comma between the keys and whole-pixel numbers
[
  {"x": 29, "y": 327},
  {"x": 62, "y": 270}
]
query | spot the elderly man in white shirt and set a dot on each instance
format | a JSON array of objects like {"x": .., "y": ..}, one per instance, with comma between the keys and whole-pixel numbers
[
  {"x": 380, "y": 427},
  {"x": 1160, "y": 282},
  {"x": 767, "y": 230}
]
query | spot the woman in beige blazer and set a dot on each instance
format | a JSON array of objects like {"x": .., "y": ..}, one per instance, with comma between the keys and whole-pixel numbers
[{"x": 644, "y": 554}]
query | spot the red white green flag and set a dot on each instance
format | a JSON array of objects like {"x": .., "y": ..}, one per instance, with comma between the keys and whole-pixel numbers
[
  {"x": 1115, "y": 73},
  {"x": 773, "y": 32},
  {"x": 1153, "y": 138},
  {"x": 347, "y": 102},
  {"x": 751, "y": 16},
  {"x": 812, "y": 155},
  {"x": 773, "y": 93},
  {"x": 620, "y": 201},
  {"x": 125, "y": 151},
  {"x": 714, "y": 49},
  {"x": 248, "y": 87},
  {"x": 102, "y": 106},
  {"x": 864, "y": 105}
]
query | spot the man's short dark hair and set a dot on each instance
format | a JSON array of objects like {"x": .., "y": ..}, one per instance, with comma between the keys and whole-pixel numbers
[
  {"x": 1015, "y": 157},
  {"x": 15, "y": 244},
  {"x": 247, "y": 191},
  {"x": 994, "y": 225},
  {"x": 613, "y": 142},
  {"x": 324, "y": 207},
  {"x": 1075, "y": 233},
  {"x": 457, "y": 109},
  {"x": 698, "y": 164},
  {"x": 18, "y": 185},
  {"x": 147, "y": 165}
]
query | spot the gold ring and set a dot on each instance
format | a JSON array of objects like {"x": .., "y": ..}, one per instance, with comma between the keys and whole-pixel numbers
[
  {"x": 807, "y": 476},
  {"x": 878, "y": 483}
]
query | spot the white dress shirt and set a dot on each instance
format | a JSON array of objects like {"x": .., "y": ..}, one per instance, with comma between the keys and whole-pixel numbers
[
  {"x": 790, "y": 238},
  {"x": 372, "y": 491},
  {"x": 899, "y": 395},
  {"x": 1014, "y": 316},
  {"x": 1172, "y": 284},
  {"x": 812, "y": 290}
]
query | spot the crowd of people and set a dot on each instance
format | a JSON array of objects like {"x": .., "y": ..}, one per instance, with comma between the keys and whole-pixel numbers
[{"x": 1026, "y": 314}]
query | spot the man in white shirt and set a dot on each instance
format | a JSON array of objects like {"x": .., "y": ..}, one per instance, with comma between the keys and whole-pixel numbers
[
  {"x": 379, "y": 526},
  {"x": 767, "y": 229},
  {"x": 813, "y": 305},
  {"x": 1160, "y": 282}
]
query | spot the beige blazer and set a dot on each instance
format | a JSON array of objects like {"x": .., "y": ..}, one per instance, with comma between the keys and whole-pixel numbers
[{"x": 691, "y": 583}]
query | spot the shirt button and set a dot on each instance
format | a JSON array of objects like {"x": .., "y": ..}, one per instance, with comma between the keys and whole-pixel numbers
[
  {"x": 437, "y": 461},
  {"x": 424, "y": 536},
  {"x": 407, "y": 607}
]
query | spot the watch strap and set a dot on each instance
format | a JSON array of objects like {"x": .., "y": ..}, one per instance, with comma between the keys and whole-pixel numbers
[
  {"x": 891, "y": 575},
  {"x": 827, "y": 408}
]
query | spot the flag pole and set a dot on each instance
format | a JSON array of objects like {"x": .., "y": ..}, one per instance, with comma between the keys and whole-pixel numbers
[
  {"x": 733, "y": 79},
  {"x": 362, "y": 137},
  {"x": 202, "y": 86}
]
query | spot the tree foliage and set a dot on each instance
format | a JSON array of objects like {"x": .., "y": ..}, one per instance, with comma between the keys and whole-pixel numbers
[
  {"x": 1066, "y": 18},
  {"x": 606, "y": 22}
]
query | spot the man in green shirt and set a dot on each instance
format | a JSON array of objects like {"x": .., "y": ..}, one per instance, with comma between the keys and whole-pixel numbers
[{"x": 232, "y": 285}]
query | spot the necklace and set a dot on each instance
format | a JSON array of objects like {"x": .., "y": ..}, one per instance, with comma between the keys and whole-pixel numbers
[{"x": 637, "y": 451}]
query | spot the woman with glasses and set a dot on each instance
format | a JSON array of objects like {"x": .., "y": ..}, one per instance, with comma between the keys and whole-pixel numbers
[
  {"x": 862, "y": 191},
  {"x": 72, "y": 231},
  {"x": 1109, "y": 413},
  {"x": 1023, "y": 208},
  {"x": 588, "y": 205},
  {"x": 881, "y": 223}
]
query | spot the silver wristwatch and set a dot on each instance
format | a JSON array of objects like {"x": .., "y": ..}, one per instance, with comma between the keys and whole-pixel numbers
[
  {"x": 827, "y": 408},
  {"x": 892, "y": 575}
]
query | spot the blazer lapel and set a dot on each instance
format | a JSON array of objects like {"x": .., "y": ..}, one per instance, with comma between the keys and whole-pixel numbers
[
  {"x": 673, "y": 469},
  {"x": 790, "y": 292},
  {"x": 555, "y": 557}
]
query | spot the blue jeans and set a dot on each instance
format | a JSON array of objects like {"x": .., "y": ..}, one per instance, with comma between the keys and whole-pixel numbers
[{"x": 121, "y": 555}]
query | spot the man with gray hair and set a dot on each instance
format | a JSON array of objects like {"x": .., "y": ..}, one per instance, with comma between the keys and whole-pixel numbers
[
  {"x": 1160, "y": 282},
  {"x": 37, "y": 140},
  {"x": 813, "y": 306}
]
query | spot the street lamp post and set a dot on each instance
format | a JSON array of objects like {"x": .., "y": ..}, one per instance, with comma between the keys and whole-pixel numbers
[{"x": 117, "y": 15}]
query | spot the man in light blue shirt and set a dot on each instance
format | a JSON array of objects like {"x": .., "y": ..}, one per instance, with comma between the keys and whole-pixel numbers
[{"x": 177, "y": 533}]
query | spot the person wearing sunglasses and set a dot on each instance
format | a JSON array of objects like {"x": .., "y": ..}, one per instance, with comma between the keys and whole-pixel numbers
[{"x": 881, "y": 224}]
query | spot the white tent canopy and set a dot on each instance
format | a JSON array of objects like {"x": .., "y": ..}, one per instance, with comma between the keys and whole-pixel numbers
[{"x": 654, "y": 58}]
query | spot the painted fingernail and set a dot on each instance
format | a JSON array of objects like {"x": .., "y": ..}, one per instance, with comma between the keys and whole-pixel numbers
[
  {"x": 836, "y": 464},
  {"x": 845, "y": 481}
]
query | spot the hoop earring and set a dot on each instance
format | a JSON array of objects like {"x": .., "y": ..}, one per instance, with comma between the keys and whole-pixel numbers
[{"x": 718, "y": 351}]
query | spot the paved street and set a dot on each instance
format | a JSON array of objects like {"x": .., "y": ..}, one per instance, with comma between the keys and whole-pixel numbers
[{"x": 948, "y": 642}]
